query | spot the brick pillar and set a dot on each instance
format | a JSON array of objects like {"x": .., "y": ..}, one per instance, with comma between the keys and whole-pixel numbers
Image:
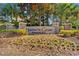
[
  {"x": 56, "y": 27},
  {"x": 67, "y": 26},
  {"x": 22, "y": 25}
]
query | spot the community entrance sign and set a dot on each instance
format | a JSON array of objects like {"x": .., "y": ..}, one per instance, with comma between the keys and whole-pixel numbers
[{"x": 42, "y": 30}]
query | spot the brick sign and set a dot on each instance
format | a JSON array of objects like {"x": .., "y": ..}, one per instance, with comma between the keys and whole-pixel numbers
[{"x": 42, "y": 30}]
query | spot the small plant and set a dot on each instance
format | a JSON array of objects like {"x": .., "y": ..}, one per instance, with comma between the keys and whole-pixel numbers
[
  {"x": 77, "y": 47},
  {"x": 73, "y": 49},
  {"x": 18, "y": 42}
]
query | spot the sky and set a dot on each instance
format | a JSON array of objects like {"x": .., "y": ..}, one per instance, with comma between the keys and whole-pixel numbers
[{"x": 77, "y": 4}]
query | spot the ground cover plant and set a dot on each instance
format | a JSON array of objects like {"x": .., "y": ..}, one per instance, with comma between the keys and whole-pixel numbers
[{"x": 38, "y": 45}]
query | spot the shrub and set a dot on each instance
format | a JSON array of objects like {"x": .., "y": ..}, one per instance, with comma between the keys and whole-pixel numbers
[
  {"x": 61, "y": 27},
  {"x": 17, "y": 31},
  {"x": 69, "y": 32},
  {"x": 2, "y": 31},
  {"x": 55, "y": 41},
  {"x": 16, "y": 23}
]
